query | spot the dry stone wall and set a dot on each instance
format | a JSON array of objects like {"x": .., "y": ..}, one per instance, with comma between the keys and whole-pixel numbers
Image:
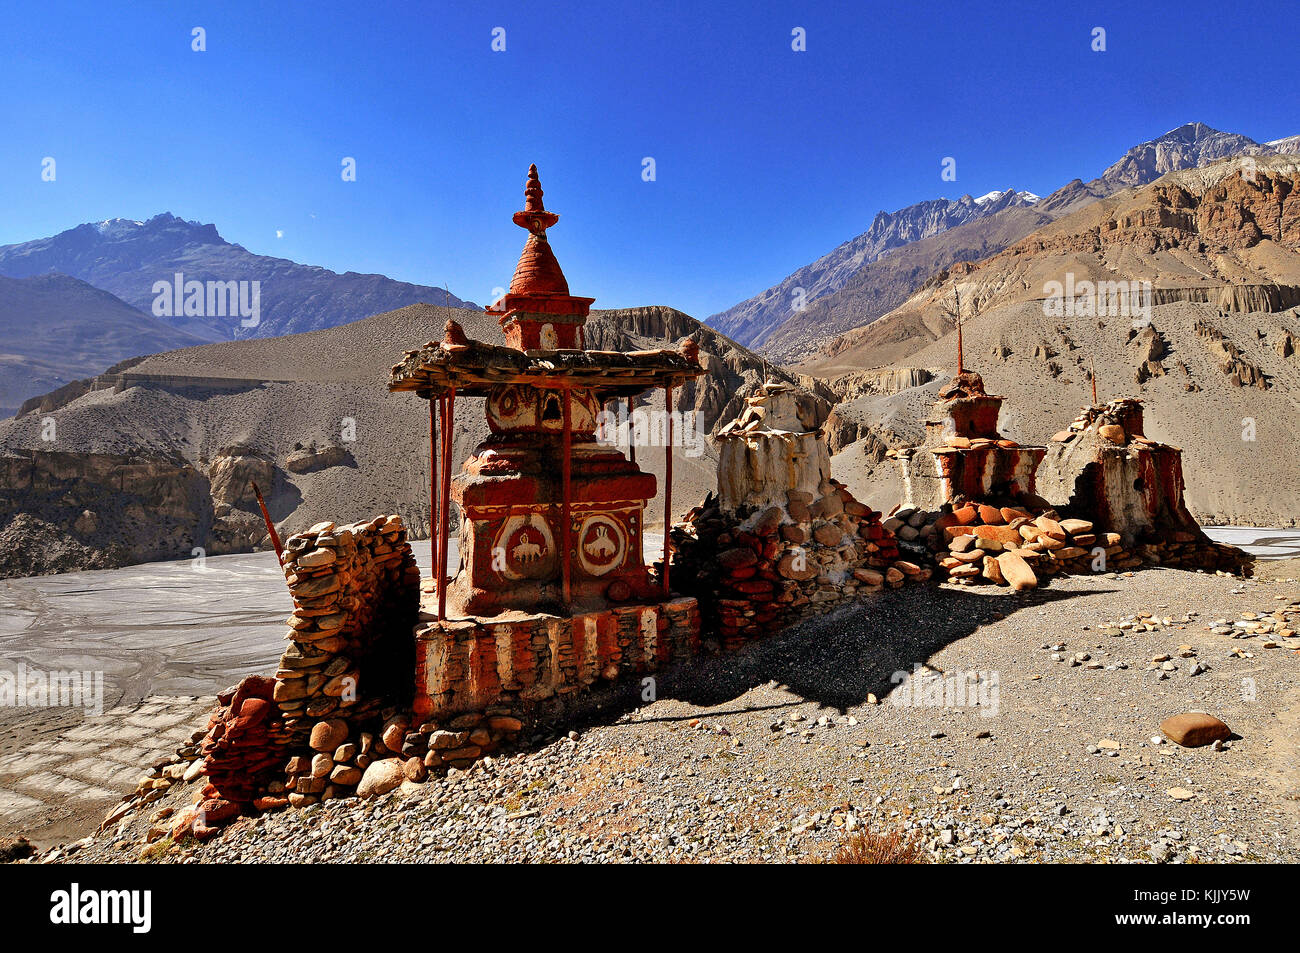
[
  {"x": 343, "y": 677},
  {"x": 755, "y": 571}
]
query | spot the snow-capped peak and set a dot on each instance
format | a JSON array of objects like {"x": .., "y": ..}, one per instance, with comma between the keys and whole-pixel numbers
[
  {"x": 1028, "y": 197},
  {"x": 116, "y": 226}
]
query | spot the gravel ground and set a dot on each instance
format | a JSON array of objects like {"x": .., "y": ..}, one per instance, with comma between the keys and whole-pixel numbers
[{"x": 777, "y": 752}]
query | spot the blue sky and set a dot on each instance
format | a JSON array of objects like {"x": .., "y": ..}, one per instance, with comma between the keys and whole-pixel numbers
[{"x": 765, "y": 157}]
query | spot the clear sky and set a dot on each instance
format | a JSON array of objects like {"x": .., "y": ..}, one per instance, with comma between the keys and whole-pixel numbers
[{"x": 765, "y": 158}]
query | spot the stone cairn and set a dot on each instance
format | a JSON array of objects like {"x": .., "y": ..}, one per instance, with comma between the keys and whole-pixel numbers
[
  {"x": 1007, "y": 545},
  {"x": 782, "y": 537},
  {"x": 1119, "y": 478}
]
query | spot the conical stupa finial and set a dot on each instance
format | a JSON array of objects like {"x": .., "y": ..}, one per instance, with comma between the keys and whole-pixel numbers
[
  {"x": 533, "y": 192},
  {"x": 534, "y": 216}
]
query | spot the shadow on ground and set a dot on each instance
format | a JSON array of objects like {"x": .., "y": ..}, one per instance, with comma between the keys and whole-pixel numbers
[{"x": 835, "y": 660}]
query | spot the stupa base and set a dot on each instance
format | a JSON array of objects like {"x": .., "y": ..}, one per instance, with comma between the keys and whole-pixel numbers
[{"x": 526, "y": 666}]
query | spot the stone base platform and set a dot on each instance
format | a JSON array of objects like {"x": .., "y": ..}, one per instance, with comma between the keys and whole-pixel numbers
[{"x": 528, "y": 666}]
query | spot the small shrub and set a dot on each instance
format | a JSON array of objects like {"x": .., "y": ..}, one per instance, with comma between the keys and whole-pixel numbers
[{"x": 892, "y": 848}]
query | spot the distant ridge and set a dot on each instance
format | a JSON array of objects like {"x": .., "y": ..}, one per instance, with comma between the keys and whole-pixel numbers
[
  {"x": 127, "y": 257},
  {"x": 865, "y": 277}
]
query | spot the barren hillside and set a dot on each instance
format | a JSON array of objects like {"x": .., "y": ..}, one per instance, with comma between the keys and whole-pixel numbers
[
  {"x": 1214, "y": 355},
  {"x": 154, "y": 461}
]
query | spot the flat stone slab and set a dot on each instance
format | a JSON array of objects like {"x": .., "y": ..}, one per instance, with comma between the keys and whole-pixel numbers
[
  {"x": 22, "y": 764},
  {"x": 17, "y": 805},
  {"x": 108, "y": 773},
  {"x": 49, "y": 784},
  {"x": 107, "y": 731}
]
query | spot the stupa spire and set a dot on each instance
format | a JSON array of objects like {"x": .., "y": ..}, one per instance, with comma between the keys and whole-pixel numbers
[
  {"x": 537, "y": 312},
  {"x": 538, "y": 273},
  {"x": 534, "y": 216}
]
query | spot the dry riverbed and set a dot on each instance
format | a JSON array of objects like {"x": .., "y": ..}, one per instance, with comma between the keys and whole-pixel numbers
[{"x": 778, "y": 752}]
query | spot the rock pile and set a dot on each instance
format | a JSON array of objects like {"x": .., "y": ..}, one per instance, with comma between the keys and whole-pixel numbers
[
  {"x": 754, "y": 571},
  {"x": 1014, "y": 542},
  {"x": 342, "y": 762},
  {"x": 783, "y": 536},
  {"x": 243, "y": 747}
]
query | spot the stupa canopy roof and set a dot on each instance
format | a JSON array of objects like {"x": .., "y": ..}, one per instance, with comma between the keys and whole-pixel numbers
[{"x": 474, "y": 368}]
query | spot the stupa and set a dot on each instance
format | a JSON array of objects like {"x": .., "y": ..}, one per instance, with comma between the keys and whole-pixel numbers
[{"x": 552, "y": 521}]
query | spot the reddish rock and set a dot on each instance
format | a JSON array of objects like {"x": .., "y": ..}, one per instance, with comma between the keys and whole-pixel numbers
[
  {"x": 792, "y": 533},
  {"x": 737, "y": 558},
  {"x": 328, "y": 735},
  {"x": 828, "y": 534},
  {"x": 1194, "y": 729},
  {"x": 796, "y": 566},
  {"x": 1016, "y": 572},
  {"x": 999, "y": 534},
  {"x": 767, "y": 523}
]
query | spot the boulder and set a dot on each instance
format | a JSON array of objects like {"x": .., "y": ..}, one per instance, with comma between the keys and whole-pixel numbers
[
  {"x": 381, "y": 777},
  {"x": 327, "y": 735},
  {"x": 1194, "y": 729}
]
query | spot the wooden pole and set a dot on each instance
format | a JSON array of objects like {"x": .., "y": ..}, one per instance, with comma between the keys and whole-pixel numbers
[
  {"x": 566, "y": 503},
  {"x": 668, "y": 483},
  {"x": 448, "y": 428},
  {"x": 957, "y": 318},
  {"x": 270, "y": 527}
]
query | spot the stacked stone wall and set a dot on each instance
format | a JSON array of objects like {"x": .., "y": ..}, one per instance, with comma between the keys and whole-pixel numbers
[
  {"x": 756, "y": 571},
  {"x": 345, "y": 675}
]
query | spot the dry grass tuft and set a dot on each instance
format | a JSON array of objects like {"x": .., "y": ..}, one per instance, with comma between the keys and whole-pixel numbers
[{"x": 892, "y": 848}]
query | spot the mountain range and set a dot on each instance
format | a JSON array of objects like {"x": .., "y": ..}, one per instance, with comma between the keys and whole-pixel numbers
[
  {"x": 153, "y": 456},
  {"x": 129, "y": 258},
  {"x": 1210, "y": 342},
  {"x": 55, "y": 329},
  {"x": 867, "y": 276}
]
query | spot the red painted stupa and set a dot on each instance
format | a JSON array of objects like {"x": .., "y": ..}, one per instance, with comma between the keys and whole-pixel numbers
[
  {"x": 551, "y": 519},
  {"x": 553, "y": 593}
]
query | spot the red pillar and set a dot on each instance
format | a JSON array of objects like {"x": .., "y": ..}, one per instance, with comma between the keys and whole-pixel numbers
[
  {"x": 566, "y": 520},
  {"x": 448, "y": 428},
  {"x": 668, "y": 482},
  {"x": 631, "y": 431},
  {"x": 434, "y": 466}
]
